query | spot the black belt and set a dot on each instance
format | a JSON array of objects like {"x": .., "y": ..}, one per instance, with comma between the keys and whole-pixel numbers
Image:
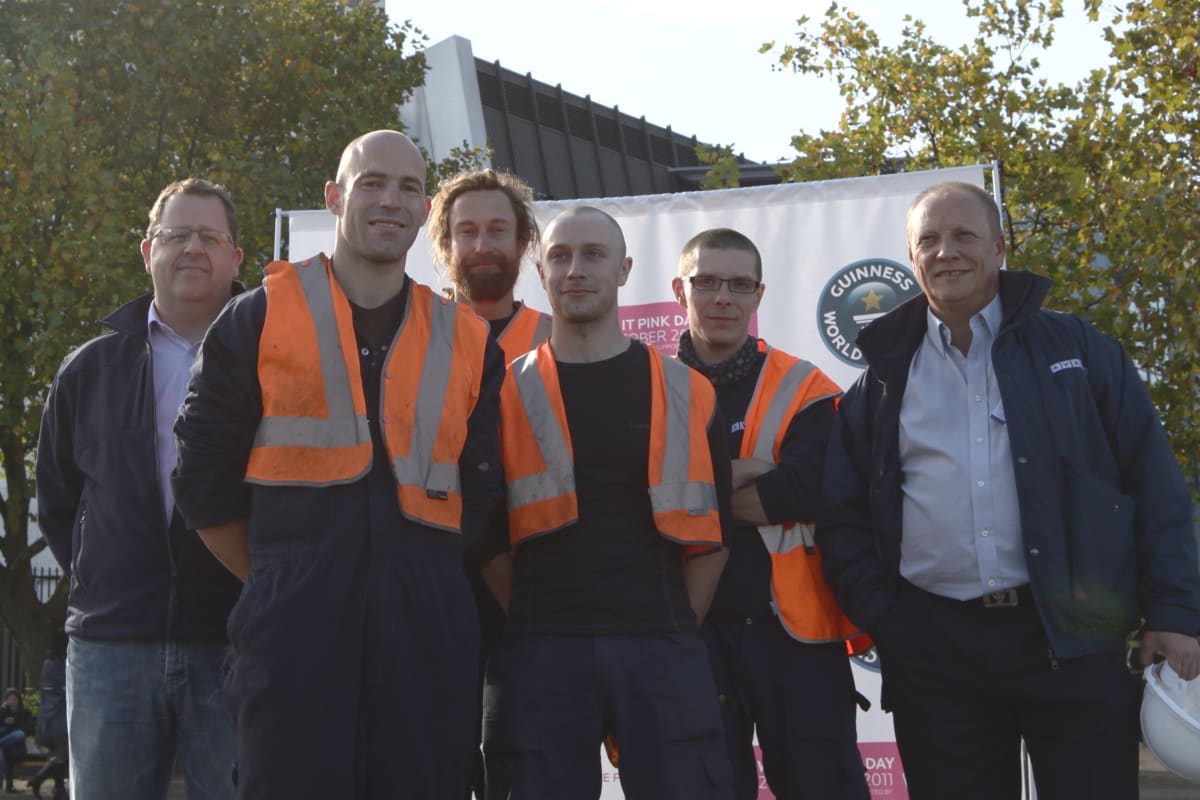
[{"x": 1005, "y": 598}]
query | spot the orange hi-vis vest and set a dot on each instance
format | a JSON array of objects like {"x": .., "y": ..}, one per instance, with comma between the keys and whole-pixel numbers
[
  {"x": 314, "y": 429},
  {"x": 803, "y": 600},
  {"x": 535, "y": 445},
  {"x": 526, "y": 330}
]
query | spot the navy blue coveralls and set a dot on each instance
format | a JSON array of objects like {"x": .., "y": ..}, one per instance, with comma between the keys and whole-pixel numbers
[{"x": 354, "y": 667}]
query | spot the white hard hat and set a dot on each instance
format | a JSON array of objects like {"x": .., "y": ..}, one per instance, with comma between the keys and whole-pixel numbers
[{"x": 1171, "y": 721}]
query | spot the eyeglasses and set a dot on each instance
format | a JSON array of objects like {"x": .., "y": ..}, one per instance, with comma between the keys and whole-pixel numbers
[
  {"x": 178, "y": 237},
  {"x": 711, "y": 283}
]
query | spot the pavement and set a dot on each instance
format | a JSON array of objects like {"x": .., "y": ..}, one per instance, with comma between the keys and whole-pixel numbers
[{"x": 1154, "y": 783}]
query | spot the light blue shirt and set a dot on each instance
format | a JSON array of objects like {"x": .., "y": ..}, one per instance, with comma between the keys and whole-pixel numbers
[
  {"x": 962, "y": 528},
  {"x": 172, "y": 358}
]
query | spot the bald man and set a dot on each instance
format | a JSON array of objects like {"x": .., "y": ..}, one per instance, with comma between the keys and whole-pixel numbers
[
  {"x": 337, "y": 448},
  {"x": 618, "y": 493}
]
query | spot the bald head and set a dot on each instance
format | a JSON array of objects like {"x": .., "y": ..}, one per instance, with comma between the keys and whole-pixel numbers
[
  {"x": 588, "y": 212},
  {"x": 967, "y": 192},
  {"x": 360, "y": 149},
  {"x": 379, "y": 200}
]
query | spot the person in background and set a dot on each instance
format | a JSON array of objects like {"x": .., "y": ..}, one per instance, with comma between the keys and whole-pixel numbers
[
  {"x": 482, "y": 225},
  {"x": 16, "y": 724},
  {"x": 52, "y": 719}
]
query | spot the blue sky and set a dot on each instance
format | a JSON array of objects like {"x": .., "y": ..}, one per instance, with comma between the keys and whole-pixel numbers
[{"x": 694, "y": 64}]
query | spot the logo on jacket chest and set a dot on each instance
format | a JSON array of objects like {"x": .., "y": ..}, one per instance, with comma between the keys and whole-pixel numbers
[{"x": 1067, "y": 363}]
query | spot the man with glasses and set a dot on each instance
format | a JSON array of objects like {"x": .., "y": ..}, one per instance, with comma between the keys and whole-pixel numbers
[
  {"x": 776, "y": 638},
  {"x": 148, "y": 603}
]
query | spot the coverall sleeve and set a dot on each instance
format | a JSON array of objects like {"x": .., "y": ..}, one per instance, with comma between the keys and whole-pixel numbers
[
  {"x": 718, "y": 448},
  {"x": 479, "y": 464},
  {"x": 792, "y": 491},
  {"x": 216, "y": 425}
]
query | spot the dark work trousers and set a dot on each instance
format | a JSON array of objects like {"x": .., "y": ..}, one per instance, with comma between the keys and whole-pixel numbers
[
  {"x": 800, "y": 697},
  {"x": 549, "y": 700},
  {"x": 966, "y": 683},
  {"x": 491, "y": 627},
  {"x": 355, "y": 666}
]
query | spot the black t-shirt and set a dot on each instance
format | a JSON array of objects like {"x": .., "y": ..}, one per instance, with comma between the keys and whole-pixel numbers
[
  {"x": 611, "y": 572},
  {"x": 497, "y": 326}
]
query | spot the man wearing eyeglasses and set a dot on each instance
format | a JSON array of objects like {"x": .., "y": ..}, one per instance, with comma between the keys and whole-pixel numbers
[
  {"x": 777, "y": 640},
  {"x": 148, "y": 603}
]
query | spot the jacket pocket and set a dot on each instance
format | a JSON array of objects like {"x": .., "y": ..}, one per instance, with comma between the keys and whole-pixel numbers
[{"x": 1101, "y": 551}]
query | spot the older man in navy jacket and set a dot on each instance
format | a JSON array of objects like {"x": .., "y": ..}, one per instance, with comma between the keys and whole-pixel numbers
[{"x": 1001, "y": 510}]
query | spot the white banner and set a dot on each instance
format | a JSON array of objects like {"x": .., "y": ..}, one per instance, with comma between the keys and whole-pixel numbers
[{"x": 834, "y": 257}]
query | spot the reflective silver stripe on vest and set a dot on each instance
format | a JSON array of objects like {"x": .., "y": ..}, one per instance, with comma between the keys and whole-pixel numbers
[
  {"x": 777, "y": 538},
  {"x": 542, "y": 331},
  {"x": 559, "y": 477},
  {"x": 784, "y": 540},
  {"x": 417, "y": 468},
  {"x": 675, "y": 493},
  {"x": 343, "y": 428},
  {"x": 773, "y": 420}
]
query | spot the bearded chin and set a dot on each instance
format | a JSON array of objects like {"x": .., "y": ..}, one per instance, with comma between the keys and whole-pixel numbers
[{"x": 487, "y": 286}]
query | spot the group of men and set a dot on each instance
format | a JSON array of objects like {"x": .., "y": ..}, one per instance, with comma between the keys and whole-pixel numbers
[{"x": 411, "y": 514}]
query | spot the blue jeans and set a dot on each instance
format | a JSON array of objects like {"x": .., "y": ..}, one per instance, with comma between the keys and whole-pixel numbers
[
  {"x": 13, "y": 740},
  {"x": 133, "y": 706}
]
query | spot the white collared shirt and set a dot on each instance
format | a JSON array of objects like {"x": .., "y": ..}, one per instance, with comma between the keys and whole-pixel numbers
[
  {"x": 172, "y": 358},
  {"x": 961, "y": 520}
]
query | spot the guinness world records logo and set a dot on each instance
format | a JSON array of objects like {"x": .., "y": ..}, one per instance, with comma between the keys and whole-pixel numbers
[
  {"x": 868, "y": 660},
  {"x": 856, "y": 296}
]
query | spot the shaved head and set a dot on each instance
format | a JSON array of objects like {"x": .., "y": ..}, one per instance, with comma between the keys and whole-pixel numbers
[
  {"x": 588, "y": 211},
  {"x": 349, "y": 166}
]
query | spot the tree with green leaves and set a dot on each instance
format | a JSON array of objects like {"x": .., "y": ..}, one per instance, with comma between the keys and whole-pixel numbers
[
  {"x": 1101, "y": 180},
  {"x": 107, "y": 101}
]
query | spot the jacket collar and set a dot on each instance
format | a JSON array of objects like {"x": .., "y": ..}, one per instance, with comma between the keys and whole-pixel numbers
[
  {"x": 897, "y": 333},
  {"x": 131, "y": 318}
]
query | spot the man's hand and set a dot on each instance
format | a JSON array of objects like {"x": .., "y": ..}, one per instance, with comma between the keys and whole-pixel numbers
[
  {"x": 230, "y": 543},
  {"x": 700, "y": 575},
  {"x": 746, "y": 470},
  {"x": 747, "y": 505},
  {"x": 497, "y": 576},
  {"x": 1181, "y": 651}
]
